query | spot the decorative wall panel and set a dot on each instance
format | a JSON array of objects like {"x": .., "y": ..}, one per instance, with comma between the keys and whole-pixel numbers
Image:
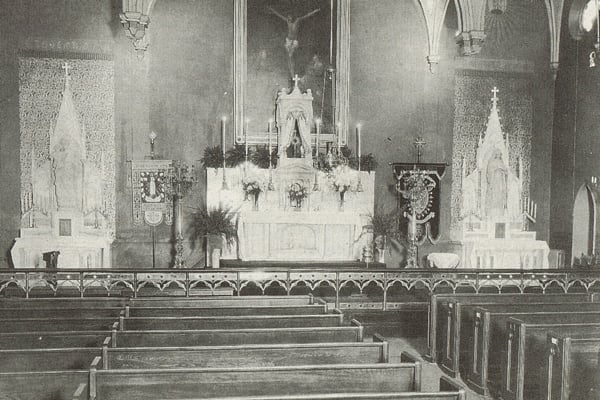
[
  {"x": 41, "y": 82},
  {"x": 472, "y": 108}
]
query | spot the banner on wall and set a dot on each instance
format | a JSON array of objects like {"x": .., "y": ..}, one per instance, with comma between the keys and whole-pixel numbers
[
  {"x": 418, "y": 188},
  {"x": 152, "y": 199}
]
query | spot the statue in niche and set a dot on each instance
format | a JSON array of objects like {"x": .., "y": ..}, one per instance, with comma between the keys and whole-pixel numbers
[
  {"x": 67, "y": 174},
  {"x": 496, "y": 176},
  {"x": 291, "y": 39}
]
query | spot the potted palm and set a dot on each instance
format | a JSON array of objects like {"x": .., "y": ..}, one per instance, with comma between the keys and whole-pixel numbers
[
  {"x": 383, "y": 224},
  {"x": 215, "y": 228}
]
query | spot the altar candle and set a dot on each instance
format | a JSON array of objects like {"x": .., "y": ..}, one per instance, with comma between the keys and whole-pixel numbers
[
  {"x": 339, "y": 136},
  {"x": 358, "y": 126},
  {"x": 269, "y": 131},
  {"x": 318, "y": 124},
  {"x": 246, "y": 139}
]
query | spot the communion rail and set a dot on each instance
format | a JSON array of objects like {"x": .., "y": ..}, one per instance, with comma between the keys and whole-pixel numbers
[{"x": 374, "y": 289}]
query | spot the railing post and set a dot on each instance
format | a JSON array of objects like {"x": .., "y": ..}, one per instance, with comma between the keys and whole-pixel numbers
[
  {"x": 135, "y": 284},
  {"x": 239, "y": 283},
  {"x": 81, "y": 288},
  {"x": 337, "y": 289},
  {"x": 26, "y": 285},
  {"x": 385, "y": 288},
  {"x": 288, "y": 282},
  {"x": 187, "y": 284}
]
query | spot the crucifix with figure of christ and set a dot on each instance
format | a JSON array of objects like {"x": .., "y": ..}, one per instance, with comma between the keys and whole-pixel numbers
[
  {"x": 67, "y": 67},
  {"x": 291, "y": 39}
]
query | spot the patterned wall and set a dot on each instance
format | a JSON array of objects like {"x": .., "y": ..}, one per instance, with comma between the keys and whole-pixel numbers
[
  {"x": 41, "y": 82},
  {"x": 472, "y": 107}
]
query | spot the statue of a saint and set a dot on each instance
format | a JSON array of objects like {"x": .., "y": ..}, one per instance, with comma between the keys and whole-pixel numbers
[
  {"x": 67, "y": 168},
  {"x": 496, "y": 192}
]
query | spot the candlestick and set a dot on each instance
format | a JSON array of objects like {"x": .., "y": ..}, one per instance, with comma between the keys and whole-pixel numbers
[
  {"x": 246, "y": 139},
  {"x": 339, "y": 137},
  {"x": 318, "y": 141},
  {"x": 270, "y": 130},
  {"x": 358, "y": 127},
  {"x": 223, "y": 130},
  {"x": 359, "y": 187}
]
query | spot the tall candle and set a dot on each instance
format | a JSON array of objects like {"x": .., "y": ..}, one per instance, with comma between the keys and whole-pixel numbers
[
  {"x": 246, "y": 139},
  {"x": 358, "y": 126},
  {"x": 339, "y": 136},
  {"x": 318, "y": 123},
  {"x": 269, "y": 131},
  {"x": 223, "y": 123}
]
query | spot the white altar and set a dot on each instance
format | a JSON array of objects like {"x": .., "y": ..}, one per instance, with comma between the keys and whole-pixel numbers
[
  {"x": 326, "y": 223},
  {"x": 494, "y": 210},
  {"x": 62, "y": 209}
]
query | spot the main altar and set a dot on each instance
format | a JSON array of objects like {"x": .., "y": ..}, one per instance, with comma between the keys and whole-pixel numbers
[
  {"x": 295, "y": 211},
  {"x": 495, "y": 212}
]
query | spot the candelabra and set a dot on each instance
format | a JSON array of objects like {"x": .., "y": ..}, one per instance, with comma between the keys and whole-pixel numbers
[{"x": 182, "y": 179}]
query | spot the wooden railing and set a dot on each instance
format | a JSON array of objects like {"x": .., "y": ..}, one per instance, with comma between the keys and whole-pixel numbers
[{"x": 373, "y": 288}]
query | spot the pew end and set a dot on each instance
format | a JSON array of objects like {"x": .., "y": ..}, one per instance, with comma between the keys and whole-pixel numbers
[
  {"x": 406, "y": 357},
  {"x": 449, "y": 385},
  {"x": 360, "y": 331},
  {"x": 81, "y": 392},
  {"x": 385, "y": 349}
]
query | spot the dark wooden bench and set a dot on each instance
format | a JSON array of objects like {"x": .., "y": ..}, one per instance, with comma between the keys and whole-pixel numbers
[
  {"x": 38, "y": 360},
  {"x": 463, "y": 330},
  {"x": 524, "y": 360},
  {"x": 448, "y": 391},
  {"x": 231, "y": 322},
  {"x": 246, "y": 355},
  {"x": 53, "y": 339},
  {"x": 12, "y": 313},
  {"x": 572, "y": 366},
  {"x": 222, "y": 301},
  {"x": 224, "y": 337},
  {"x": 64, "y": 302},
  {"x": 437, "y": 322},
  {"x": 50, "y": 324},
  {"x": 236, "y": 309},
  {"x": 52, "y": 385},
  {"x": 178, "y": 383},
  {"x": 488, "y": 343}
]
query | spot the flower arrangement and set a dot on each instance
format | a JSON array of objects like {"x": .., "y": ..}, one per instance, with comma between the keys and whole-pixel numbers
[
  {"x": 342, "y": 178},
  {"x": 252, "y": 187},
  {"x": 297, "y": 193}
]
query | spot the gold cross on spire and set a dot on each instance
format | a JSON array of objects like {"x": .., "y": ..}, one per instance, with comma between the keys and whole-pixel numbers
[
  {"x": 495, "y": 98},
  {"x": 419, "y": 143}
]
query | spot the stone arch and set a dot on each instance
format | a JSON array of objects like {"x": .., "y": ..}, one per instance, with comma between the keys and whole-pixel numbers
[{"x": 584, "y": 222}]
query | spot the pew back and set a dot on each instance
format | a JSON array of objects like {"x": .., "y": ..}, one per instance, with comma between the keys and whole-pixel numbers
[
  {"x": 165, "y": 311},
  {"x": 41, "y": 385}
]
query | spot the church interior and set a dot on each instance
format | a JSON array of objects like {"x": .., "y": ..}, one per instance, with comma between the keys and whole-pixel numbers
[{"x": 299, "y": 199}]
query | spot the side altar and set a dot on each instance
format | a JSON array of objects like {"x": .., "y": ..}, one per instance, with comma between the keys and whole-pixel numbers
[
  {"x": 64, "y": 207},
  {"x": 295, "y": 211},
  {"x": 495, "y": 212}
]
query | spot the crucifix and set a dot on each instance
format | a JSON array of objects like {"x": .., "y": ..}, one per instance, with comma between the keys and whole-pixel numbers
[
  {"x": 419, "y": 143},
  {"x": 495, "y": 98},
  {"x": 67, "y": 67},
  {"x": 296, "y": 79}
]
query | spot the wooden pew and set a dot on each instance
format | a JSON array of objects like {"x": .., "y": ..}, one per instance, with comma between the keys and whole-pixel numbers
[
  {"x": 489, "y": 333},
  {"x": 225, "y": 337},
  {"x": 246, "y": 355},
  {"x": 571, "y": 366},
  {"x": 56, "y": 339},
  {"x": 236, "y": 309},
  {"x": 64, "y": 302},
  {"x": 38, "y": 360},
  {"x": 231, "y": 322},
  {"x": 50, "y": 324},
  {"x": 178, "y": 383},
  {"x": 448, "y": 391},
  {"x": 435, "y": 318},
  {"x": 49, "y": 385},
  {"x": 522, "y": 366},
  {"x": 462, "y": 329},
  {"x": 222, "y": 301},
  {"x": 16, "y": 313}
]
